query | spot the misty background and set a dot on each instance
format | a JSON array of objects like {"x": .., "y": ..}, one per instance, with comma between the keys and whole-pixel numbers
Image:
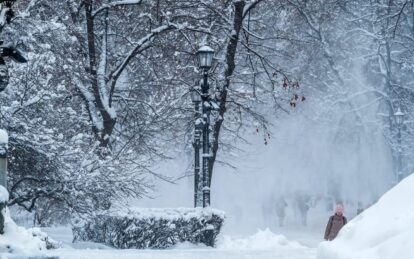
[{"x": 307, "y": 92}]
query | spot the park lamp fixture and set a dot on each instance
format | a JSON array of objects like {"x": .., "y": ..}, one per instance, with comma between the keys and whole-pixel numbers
[
  {"x": 195, "y": 95},
  {"x": 12, "y": 52},
  {"x": 205, "y": 57},
  {"x": 399, "y": 116}
]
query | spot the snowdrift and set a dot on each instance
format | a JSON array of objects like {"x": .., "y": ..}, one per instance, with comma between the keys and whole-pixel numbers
[
  {"x": 18, "y": 241},
  {"x": 384, "y": 231},
  {"x": 262, "y": 240}
]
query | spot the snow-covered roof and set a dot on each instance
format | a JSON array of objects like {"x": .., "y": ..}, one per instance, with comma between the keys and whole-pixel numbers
[
  {"x": 206, "y": 48},
  {"x": 399, "y": 113}
]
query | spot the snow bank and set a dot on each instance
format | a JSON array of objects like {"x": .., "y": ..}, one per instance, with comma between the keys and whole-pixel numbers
[
  {"x": 262, "y": 240},
  {"x": 21, "y": 242},
  {"x": 151, "y": 228},
  {"x": 384, "y": 231}
]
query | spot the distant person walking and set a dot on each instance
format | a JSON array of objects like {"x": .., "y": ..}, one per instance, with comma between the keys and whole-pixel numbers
[
  {"x": 303, "y": 203},
  {"x": 281, "y": 210},
  {"x": 335, "y": 223}
]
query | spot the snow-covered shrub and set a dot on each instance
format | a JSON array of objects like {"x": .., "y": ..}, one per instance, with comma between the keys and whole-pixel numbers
[
  {"x": 152, "y": 228},
  {"x": 50, "y": 243},
  {"x": 21, "y": 242}
]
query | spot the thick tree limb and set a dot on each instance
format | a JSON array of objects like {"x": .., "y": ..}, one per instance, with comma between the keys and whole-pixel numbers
[{"x": 230, "y": 62}]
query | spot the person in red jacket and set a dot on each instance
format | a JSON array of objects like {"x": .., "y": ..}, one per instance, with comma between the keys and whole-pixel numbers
[{"x": 335, "y": 223}]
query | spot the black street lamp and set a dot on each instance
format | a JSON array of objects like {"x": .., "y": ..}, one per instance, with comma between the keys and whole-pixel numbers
[
  {"x": 12, "y": 52},
  {"x": 7, "y": 12},
  {"x": 399, "y": 119},
  {"x": 8, "y": 50},
  {"x": 198, "y": 123},
  {"x": 4, "y": 138},
  {"x": 205, "y": 59}
]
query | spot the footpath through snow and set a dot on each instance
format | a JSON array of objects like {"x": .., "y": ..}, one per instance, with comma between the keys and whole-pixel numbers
[
  {"x": 384, "y": 231},
  {"x": 262, "y": 245}
]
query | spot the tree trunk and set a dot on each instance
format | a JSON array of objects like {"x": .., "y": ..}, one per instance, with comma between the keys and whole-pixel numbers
[
  {"x": 103, "y": 135},
  {"x": 228, "y": 73}
]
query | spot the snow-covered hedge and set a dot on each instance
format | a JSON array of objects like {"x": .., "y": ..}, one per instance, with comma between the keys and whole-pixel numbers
[{"x": 152, "y": 228}]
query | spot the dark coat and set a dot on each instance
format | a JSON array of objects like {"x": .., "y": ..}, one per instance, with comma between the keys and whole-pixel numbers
[{"x": 335, "y": 224}]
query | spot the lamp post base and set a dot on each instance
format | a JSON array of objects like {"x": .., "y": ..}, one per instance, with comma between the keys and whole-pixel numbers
[{"x": 2, "y": 217}]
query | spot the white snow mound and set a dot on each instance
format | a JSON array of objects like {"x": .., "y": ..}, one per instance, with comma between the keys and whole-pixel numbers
[
  {"x": 384, "y": 231},
  {"x": 262, "y": 240},
  {"x": 21, "y": 242}
]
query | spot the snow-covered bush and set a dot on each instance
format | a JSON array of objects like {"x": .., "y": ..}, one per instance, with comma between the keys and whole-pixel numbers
[
  {"x": 384, "y": 231},
  {"x": 152, "y": 228},
  {"x": 18, "y": 241}
]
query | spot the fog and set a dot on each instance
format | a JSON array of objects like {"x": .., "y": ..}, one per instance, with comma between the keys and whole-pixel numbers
[
  {"x": 330, "y": 148},
  {"x": 324, "y": 152}
]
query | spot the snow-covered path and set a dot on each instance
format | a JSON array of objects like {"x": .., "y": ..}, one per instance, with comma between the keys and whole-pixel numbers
[
  {"x": 184, "y": 254},
  {"x": 262, "y": 245}
]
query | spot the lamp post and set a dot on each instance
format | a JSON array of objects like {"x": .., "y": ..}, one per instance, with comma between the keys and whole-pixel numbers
[
  {"x": 205, "y": 57},
  {"x": 3, "y": 157},
  {"x": 198, "y": 126},
  {"x": 399, "y": 119},
  {"x": 7, "y": 51},
  {"x": 4, "y": 196}
]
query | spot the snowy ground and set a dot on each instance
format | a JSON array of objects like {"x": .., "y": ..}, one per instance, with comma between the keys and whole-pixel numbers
[
  {"x": 383, "y": 231},
  {"x": 237, "y": 241},
  {"x": 183, "y": 254},
  {"x": 262, "y": 245}
]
